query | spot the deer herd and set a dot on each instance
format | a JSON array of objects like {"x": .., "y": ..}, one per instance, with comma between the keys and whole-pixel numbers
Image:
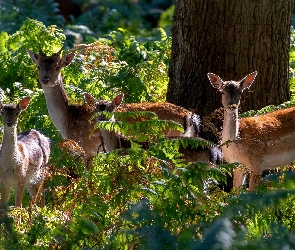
[{"x": 261, "y": 142}]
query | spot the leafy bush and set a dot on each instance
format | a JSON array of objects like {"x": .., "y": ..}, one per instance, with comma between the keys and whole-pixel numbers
[{"x": 119, "y": 63}]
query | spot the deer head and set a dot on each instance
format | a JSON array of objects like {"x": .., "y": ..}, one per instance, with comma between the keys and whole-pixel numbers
[
  {"x": 49, "y": 66},
  {"x": 231, "y": 90},
  {"x": 10, "y": 112},
  {"x": 101, "y": 105}
]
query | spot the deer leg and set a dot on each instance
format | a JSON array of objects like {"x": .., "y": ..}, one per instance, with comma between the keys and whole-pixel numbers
[
  {"x": 19, "y": 193},
  {"x": 37, "y": 194},
  {"x": 88, "y": 162},
  {"x": 42, "y": 196},
  {"x": 33, "y": 190},
  {"x": 5, "y": 190}
]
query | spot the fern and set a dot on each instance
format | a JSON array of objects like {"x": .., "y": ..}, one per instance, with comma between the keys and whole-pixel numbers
[{"x": 139, "y": 131}]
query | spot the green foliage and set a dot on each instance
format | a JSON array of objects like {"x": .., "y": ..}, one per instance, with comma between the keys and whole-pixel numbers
[
  {"x": 109, "y": 15},
  {"x": 141, "y": 131},
  {"x": 120, "y": 63},
  {"x": 165, "y": 21},
  {"x": 15, "y": 65},
  {"x": 14, "y": 13}
]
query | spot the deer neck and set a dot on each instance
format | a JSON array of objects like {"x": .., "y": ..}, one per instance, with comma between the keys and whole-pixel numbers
[
  {"x": 9, "y": 145},
  {"x": 57, "y": 105},
  {"x": 110, "y": 140},
  {"x": 230, "y": 130}
]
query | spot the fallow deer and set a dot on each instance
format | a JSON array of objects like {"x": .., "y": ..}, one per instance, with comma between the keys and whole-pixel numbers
[
  {"x": 164, "y": 111},
  {"x": 23, "y": 157},
  {"x": 71, "y": 120},
  {"x": 260, "y": 142}
]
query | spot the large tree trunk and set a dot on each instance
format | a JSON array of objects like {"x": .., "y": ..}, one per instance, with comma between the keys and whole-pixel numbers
[{"x": 231, "y": 39}]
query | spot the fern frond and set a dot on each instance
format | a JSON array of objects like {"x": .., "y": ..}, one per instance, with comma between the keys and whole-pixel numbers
[
  {"x": 110, "y": 126},
  {"x": 143, "y": 115},
  {"x": 187, "y": 141},
  {"x": 3, "y": 39},
  {"x": 127, "y": 115},
  {"x": 140, "y": 131}
]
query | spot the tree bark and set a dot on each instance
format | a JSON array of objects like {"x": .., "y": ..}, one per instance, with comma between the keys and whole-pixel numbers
[{"x": 230, "y": 38}]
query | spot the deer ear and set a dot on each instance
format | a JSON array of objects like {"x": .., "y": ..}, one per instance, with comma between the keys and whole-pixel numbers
[
  {"x": 248, "y": 80},
  {"x": 116, "y": 102},
  {"x": 89, "y": 98},
  {"x": 215, "y": 81},
  {"x": 33, "y": 56},
  {"x": 24, "y": 103},
  {"x": 66, "y": 60}
]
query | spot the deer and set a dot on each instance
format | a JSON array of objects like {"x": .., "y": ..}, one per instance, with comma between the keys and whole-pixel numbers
[
  {"x": 262, "y": 142},
  {"x": 23, "y": 157},
  {"x": 72, "y": 120},
  {"x": 165, "y": 111}
]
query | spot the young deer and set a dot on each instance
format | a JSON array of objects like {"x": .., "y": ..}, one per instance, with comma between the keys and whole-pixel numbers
[
  {"x": 23, "y": 157},
  {"x": 72, "y": 121},
  {"x": 261, "y": 142},
  {"x": 165, "y": 111}
]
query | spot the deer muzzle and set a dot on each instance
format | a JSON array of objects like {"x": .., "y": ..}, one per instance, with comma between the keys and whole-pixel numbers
[{"x": 45, "y": 79}]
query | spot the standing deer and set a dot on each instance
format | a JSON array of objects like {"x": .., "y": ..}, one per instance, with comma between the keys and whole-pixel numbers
[
  {"x": 72, "y": 121},
  {"x": 23, "y": 157},
  {"x": 165, "y": 111},
  {"x": 261, "y": 142}
]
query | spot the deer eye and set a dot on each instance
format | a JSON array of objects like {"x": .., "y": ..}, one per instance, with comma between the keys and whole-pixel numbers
[
  {"x": 39, "y": 68},
  {"x": 16, "y": 113},
  {"x": 57, "y": 68}
]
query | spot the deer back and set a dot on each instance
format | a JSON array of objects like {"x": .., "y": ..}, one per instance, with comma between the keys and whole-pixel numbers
[{"x": 164, "y": 111}]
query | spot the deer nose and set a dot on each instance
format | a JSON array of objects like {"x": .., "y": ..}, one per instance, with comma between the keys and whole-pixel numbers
[
  {"x": 9, "y": 124},
  {"x": 102, "y": 118},
  {"x": 45, "y": 79},
  {"x": 234, "y": 102}
]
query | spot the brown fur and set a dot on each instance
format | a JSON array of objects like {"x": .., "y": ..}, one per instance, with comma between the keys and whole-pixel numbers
[
  {"x": 164, "y": 110},
  {"x": 268, "y": 126}
]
